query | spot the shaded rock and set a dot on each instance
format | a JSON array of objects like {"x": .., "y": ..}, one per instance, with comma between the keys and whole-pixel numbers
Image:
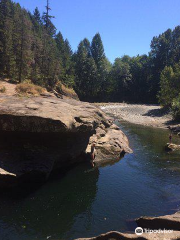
[
  {"x": 175, "y": 129},
  {"x": 40, "y": 135},
  {"x": 171, "y": 222},
  {"x": 145, "y": 236}
]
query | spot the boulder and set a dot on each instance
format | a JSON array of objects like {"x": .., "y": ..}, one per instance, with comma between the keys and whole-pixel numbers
[
  {"x": 109, "y": 142},
  {"x": 172, "y": 147},
  {"x": 41, "y": 135}
]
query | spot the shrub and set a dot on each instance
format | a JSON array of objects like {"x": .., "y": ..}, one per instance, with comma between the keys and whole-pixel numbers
[
  {"x": 2, "y": 89},
  {"x": 28, "y": 88},
  {"x": 176, "y": 108}
]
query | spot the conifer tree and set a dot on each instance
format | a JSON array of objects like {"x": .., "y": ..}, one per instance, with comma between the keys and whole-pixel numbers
[
  {"x": 85, "y": 69},
  {"x": 60, "y": 43},
  {"x": 22, "y": 43},
  {"x": 50, "y": 28},
  {"x": 102, "y": 64},
  {"x": 7, "y": 61},
  {"x": 37, "y": 15},
  {"x": 97, "y": 50}
]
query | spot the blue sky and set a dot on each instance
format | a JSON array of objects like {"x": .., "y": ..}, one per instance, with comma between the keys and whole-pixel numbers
[{"x": 126, "y": 26}]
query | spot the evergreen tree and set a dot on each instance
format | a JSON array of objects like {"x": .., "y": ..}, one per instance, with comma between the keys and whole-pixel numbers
[
  {"x": 97, "y": 50},
  {"x": 49, "y": 26},
  {"x": 102, "y": 64},
  {"x": 86, "y": 72},
  {"x": 22, "y": 42},
  {"x": 65, "y": 58},
  {"x": 68, "y": 64},
  {"x": 37, "y": 16},
  {"x": 7, "y": 60},
  {"x": 60, "y": 43},
  {"x": 121, "y": 78}
]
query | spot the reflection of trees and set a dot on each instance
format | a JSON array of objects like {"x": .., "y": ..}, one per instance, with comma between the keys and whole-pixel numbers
[
  {"x": 53, "y": 208},
  {"x": 150, "y": 156}
]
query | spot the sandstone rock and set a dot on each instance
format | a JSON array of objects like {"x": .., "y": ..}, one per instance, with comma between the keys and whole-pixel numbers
[
  {"x": 171, "y": 222},
  {"x": 145, "y": 236},
  {"x": 109, "y": 143},
  {"x": 39, "y": 135}
]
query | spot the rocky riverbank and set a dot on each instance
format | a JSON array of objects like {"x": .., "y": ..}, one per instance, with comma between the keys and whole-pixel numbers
[
  {"x": 175, "y": 235},
  {"x": 41, "y": 135},
  {"x": 147, "y": 115}
]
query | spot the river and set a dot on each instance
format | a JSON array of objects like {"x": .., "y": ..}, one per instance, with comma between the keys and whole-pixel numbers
[{"x": 87, "y": 202}]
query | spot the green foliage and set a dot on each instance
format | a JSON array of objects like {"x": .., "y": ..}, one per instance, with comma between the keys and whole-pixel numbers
[
  {"x": 176, "y": 107},
  {"x": 165, "y": 51},
  {"x": 170, "y": 89},
  {"x": 37, "y": 16},
  {"x": 97, "y": 50},
  {"x": 85, "y": 72},
  {"x": 121, "y": 78},
  {"x": 167, "y": 92}
]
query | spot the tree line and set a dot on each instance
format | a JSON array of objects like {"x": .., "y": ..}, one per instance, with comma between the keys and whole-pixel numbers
[{"x": 31, "y": 48}]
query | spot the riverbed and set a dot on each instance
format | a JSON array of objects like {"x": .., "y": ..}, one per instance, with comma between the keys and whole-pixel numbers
[
  {"x": 87, "y": 202},
  {"x": 143, "y": 114}
]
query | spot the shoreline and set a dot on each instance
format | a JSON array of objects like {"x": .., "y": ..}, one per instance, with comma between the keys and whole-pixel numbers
[{"x": 140, "y": 114}]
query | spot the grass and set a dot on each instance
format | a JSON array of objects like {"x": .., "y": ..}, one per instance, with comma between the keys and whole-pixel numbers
[
  {"x": 27, "y": 88},
  {"x": 68, "y": 92}
]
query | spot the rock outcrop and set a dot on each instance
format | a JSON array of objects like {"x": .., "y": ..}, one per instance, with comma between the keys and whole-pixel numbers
[
  {"x": 145, "y": 236},
  {"x": 171, "y": 222},
  {"x": 39, "y": 135}
]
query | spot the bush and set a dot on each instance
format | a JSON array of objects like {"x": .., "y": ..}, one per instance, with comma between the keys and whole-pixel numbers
[
  {"x": 28, "y": 88},
  {"x": 176, "y": 108},
  {"x": 2, "y": 89}
]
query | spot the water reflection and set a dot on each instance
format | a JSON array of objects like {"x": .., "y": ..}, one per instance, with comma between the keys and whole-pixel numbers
[{"x": 50, "y": 211}]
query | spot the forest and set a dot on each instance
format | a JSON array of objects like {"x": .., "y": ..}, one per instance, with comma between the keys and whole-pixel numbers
[{"x": 32, "y": 49}]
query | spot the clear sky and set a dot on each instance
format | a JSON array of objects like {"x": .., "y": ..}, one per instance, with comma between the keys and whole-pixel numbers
[{"x": 126, "y": 26}]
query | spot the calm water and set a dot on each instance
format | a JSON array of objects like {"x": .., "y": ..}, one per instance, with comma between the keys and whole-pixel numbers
[{"x": 88, "y": 202}]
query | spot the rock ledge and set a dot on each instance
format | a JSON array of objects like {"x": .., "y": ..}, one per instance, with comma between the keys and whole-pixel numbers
[{"x": 43, "y": 134}]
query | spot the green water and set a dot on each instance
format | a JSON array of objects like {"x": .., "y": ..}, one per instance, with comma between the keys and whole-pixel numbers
[{"x": 87, "y": 202}]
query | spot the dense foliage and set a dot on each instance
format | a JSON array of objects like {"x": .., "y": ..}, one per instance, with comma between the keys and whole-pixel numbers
[{"x": 31, "y": 48}]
